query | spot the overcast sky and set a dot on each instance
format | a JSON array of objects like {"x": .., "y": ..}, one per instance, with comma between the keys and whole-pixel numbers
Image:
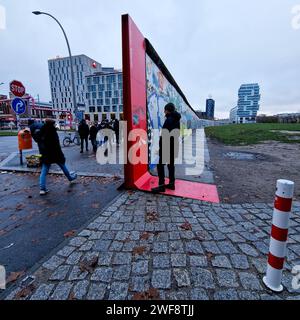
[{"x": 209, "y": 46}]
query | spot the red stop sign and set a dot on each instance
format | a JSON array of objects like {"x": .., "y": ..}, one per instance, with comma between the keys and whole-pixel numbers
[{"x": 17, "y": 88}]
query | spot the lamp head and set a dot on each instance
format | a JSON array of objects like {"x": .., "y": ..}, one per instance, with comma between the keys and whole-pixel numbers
[{"x": 37, "y": 13}]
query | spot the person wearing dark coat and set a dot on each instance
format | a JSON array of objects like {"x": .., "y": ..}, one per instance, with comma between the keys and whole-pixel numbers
[
  {"x": 84, "y": 132},
  {"x": 116, "y": 127},
  {"x": 93, "y": 136},
  {"x": 171, "y": 125},
  {"x": 51, "y": 152}
]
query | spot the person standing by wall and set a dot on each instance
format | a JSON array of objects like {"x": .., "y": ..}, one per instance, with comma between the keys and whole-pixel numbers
[
  {"x": 51, "y": 152},
  {"x": 84, "y": 132},
  {"x": 171, "y": 126},
  {"x": 116, "y": 127}
]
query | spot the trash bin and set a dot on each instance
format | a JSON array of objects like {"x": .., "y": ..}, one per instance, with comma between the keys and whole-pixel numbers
[{"x": 25, "y": 140}]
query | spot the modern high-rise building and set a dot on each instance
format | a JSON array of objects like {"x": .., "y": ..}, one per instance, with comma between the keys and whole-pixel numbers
[
  {"x": 248, "y": 104},
  {"x": 60, "y": 81},
  {"x": 210, "y": 109},
  {"x": 104, "y": 95}
]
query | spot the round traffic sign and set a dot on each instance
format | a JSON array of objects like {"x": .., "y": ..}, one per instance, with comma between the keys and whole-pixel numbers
[
  {"x": 17, "y": 88},
  {"x": 19, "y": 106}
]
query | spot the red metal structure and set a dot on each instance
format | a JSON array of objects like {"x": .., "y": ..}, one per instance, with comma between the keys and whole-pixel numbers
[{"x": 135, "y": 114}]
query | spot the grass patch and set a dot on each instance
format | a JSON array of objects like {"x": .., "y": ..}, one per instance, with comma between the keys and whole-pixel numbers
[
  {"x": 8, "y": 134},
  {"x": 247, "y": 134}
]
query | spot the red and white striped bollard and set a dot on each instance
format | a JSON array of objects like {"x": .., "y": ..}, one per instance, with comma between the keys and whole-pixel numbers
[{"x": 279, "y": 236}]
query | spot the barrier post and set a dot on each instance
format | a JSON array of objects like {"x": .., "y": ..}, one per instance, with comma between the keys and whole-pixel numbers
[{"x": 279, "y": 235}]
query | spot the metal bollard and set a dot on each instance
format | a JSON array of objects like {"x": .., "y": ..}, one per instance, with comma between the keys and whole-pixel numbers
[{"x": 279, "y": 235}]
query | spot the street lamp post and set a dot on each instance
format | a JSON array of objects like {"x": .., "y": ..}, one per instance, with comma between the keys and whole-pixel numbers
[{"x": 71, "y": 60}]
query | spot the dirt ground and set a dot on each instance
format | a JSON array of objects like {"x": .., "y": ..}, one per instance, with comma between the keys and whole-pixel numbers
[{"x": 254, "y": 180}]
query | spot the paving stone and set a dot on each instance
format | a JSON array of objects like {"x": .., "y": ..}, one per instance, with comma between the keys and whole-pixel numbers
[
  {"x": 248, "y": 236},
  {"x": 267, "y": 297},
  {"x": 66, "y": 251},
  {"x": 250, "y": 281},
  {"x": 62, "y": 291},
  {"x": 96, "y": 235},
  {"x": 187, "y": 235},
  {"x": 162, "y": 236},
  {"x": 135, "y": 235},
  {"x": 129, "y": 246},
  {"x": 240, "y": 261},
  {"x": 248, "y": 250},
  {"x": 221, "y": 262},
  {"x": 139, "y": 284},
  {"x": 53, "y": 263},
  {"x": 161, "y": 261},
  {"x": 198, "y": 294},
  {"x": 211, "y": 247},
  {"x": 234, "y": 237},
  {"x": 260, "y": 265},
  {"x": 182, "y": 278},
  {"x": 116, "y": 227},
  {"x": 85, "y": 233},
  {"x": 97, "y": 291},
  {"x": 77, "y": 274},
  {"x": 248, "y": 296},
  {"x": 102, "y": 275},
  {"x": 178, "y": 260},
  {"x": 129, "y": 227},
  {"x": 226, "y": 295},
  {"x": 218, "y": 236},
  {"x": 118, "y": 291},
  {"x": 102, "y": 245},
  {"x": 202, "y": 278},
  {"x": 109, "y": 235},
  {"x": 198, "y": 261},
  {"x": 161, "y": 279},
  {"x": 105, "y": 259},
  {"x": 74, "y": 258},
  {"x": 194, "y": 247},
  {"x": 176, "y": 247},
  {"x": 174, "y": 235},
  {"x": 122, "y": 258},
  {"x": 227, "y": 279},
  {"x": 122, "y": 236},
  {"x": 60, "y": 273},
  {"x": 226, "y": 247},
  {"x": 43, "y": 292},
  {"x": 262, "y": 247},
  {"x": 87, "y": 246},
  {"x": 140, "y": 267},
  {"x": 80, "y": 289},
  {"x": 122, "y": 273},
  {"x": 160, "y": 247},
  {"x": 116, "y": 246},
  {"x": 77, "y": 242}
]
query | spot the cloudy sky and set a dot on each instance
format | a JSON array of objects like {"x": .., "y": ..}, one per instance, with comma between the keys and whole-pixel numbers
[{"x": 210, "y": 46}]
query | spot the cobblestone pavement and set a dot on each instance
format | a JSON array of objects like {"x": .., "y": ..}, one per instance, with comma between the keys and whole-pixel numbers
[{"x": 180, "y": 249}]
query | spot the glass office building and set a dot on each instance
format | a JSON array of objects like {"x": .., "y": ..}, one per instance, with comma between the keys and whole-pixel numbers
[
  {"x": 104, "y": 95},
  {"x": 210, "y": 109},
  {"x": 248, "y": 104}
]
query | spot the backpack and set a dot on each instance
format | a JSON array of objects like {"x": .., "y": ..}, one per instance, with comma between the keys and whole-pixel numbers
[{"x": 36, "y": 133}]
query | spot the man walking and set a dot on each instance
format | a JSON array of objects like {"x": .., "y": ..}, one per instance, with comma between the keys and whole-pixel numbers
[
  {"x": 51, "y": 152},
  {"x": 93, "y": 136},
  {"x": 84, "y": 132},
  {"x": 168, "y": 148}
]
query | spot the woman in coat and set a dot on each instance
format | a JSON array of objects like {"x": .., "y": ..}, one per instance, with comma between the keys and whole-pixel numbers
[{"x": 51, "y": 154}]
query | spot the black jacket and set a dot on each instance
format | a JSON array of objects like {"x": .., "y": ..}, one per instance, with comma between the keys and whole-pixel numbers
[
  {"x": 83, "y": 130},
  {"x": 172, "y": 122},
  {"x": 93, "y": 133},
  {"x": 50, "y": 146}
]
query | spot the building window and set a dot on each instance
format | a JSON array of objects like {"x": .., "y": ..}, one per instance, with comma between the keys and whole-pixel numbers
[
  {"x": 106, "y": 109},
  {"x": 99, "y": 109},
  {"x": 92, "y": 109},
  {"x": 114, "y": 109},
  {"x": 121, "y": 109},
  {"x": 107, "y": 101}
]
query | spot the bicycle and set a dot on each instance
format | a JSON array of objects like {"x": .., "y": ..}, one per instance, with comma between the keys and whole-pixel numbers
[{"x": 68, "y": 140}]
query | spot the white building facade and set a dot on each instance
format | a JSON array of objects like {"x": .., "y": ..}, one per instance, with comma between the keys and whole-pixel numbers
[{"x": 60, "y": 81}]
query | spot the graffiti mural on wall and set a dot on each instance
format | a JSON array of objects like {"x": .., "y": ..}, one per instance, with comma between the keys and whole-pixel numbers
[{"x": 159, "y": 93}]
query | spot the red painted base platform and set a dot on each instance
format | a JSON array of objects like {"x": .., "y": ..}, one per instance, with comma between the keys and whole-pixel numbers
[{"x": 184, "y": 189}]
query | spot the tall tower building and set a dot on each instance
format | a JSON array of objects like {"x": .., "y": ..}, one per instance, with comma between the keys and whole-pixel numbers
[
  {"x": 248, "y": 104},
  {"x": 210, "y": 108}
]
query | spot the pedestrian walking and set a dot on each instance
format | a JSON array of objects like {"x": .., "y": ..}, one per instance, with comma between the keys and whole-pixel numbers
[
  {"x": 172, "y": 125},
  {"x": 84, "y": 133},
  {"x": 51, "y": 152},
  {"x": 116, "y": 128},
  {"x": 93, "y": 136}
]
